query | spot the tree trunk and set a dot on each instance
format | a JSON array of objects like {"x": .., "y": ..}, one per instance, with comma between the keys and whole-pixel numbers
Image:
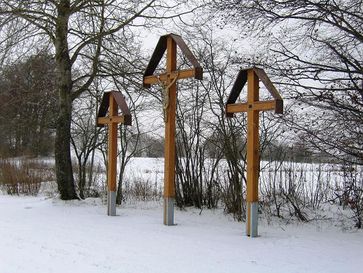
[{"x": 63, "y": 164}]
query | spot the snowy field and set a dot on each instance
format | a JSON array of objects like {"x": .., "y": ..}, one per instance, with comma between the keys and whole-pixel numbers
[
  {"x": 307, "y": 176},
  {"x": 39, "y": 234}
]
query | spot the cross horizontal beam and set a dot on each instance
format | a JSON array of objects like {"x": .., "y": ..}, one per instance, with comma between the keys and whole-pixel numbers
[
  {"x": 110, "y": 120},
  {"x": 181, "y": 74},
  {"x": 255, "y": 106}
]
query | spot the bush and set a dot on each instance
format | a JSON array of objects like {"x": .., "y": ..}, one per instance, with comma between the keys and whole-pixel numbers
[
  {"x": 350, "y": 193},
  {"x": 139, "y": 189},
  {"x": 23, "y": 176}
]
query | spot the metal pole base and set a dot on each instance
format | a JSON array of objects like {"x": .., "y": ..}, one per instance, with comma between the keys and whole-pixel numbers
[
  {"x": 111, "y": 203},
  {"x": 252, "y": 219},
  {"x": 169, "y": 211}
]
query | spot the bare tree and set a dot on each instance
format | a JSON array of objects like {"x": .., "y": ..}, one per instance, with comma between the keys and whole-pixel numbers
[
  {"x": 84, "y": 136},
  {"x": 227, "y": 134},
  {"x": 79, "y": 32},
  {"x": 315, "y": 49},
  {"x": 190, "y": 146}
]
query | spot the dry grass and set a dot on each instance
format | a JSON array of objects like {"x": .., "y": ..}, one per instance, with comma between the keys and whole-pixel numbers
[
  {"x": 24, "y": 176},
  {"x": 139, "y": 189}
]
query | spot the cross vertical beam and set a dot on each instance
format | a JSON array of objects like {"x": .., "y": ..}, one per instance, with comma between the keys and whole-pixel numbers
[
  {"x": 112, "y": 159},
  {"x": 169, "y": 150},
  {"x": 253, "y": 157}
]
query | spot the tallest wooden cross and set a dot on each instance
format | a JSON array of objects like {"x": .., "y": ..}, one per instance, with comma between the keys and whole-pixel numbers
[
  {"x": 169, "y": 43},
  {"x": 253, "y": 106}
]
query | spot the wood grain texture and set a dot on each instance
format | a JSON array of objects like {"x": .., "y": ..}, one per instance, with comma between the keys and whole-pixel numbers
[
  {"x": 169, "y": 174},
  {"x": 112, "y": 147}
]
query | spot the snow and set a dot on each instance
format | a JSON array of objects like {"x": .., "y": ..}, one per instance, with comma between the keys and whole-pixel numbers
[{"x": 40, "y": 234}]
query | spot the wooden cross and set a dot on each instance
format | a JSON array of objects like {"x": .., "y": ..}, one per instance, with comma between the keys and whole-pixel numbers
[
  {"x": 168, "y": 79},
  {"x": 253, "y": 106},
  {"x": 112, "y": 101}
]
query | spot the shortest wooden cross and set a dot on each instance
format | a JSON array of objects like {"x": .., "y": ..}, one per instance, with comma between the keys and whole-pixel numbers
[
  {"x": 253, "y": 106},
  {"x": 112, "y": 101}
]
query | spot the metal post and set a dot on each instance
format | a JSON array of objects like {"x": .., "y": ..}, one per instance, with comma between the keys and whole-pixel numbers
[
  {"x": 169, "y": 211},
  {"x": 252, "y": 224},
  {"x": 111, "y": 203}
]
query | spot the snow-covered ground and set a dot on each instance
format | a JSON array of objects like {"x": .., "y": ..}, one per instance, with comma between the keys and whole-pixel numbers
[{"x": 39, "y": 234}]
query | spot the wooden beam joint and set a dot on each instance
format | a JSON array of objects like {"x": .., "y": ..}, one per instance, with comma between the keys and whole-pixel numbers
[
  {"x": 109, "y": 120},
  {"x": 254, "y": 106},
  {"x": 182, "y": 74}
]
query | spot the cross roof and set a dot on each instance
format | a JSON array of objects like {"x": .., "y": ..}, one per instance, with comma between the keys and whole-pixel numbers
[
  {"x": 241, "y": 81},
  {"x": 121, "y": 104},
  {"x": 160, "y": 50}
]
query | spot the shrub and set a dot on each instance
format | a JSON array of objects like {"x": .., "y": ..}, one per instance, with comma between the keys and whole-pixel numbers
[{"x": 23, "y": 176}]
